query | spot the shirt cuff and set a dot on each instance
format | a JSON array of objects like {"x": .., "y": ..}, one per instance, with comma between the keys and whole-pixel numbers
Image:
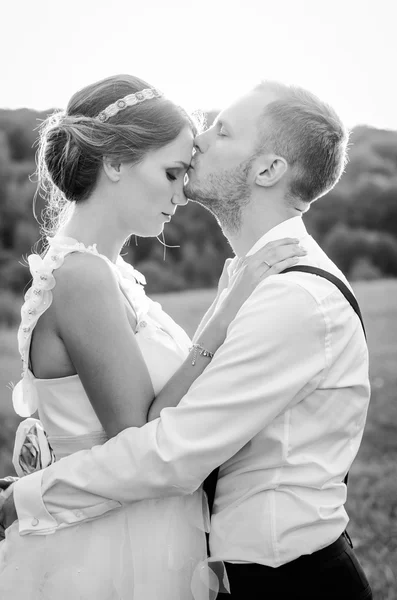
[{"x": 33, "y": 516}]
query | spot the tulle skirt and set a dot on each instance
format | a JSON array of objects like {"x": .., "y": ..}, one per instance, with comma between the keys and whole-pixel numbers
[{"x": 149, "y": 550}]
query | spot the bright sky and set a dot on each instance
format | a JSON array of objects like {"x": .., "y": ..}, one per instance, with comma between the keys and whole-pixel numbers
[{"x": 203, "y": 53}]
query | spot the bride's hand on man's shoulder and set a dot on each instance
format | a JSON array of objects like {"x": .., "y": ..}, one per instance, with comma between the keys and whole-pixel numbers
[{"x": 272, "y": 259}]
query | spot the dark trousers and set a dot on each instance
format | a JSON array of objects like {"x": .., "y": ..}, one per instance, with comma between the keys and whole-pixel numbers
[{"x": 332, "y": 573}]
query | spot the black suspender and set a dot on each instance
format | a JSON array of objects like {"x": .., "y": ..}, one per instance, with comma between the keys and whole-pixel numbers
[
  {"x": 337, "y": 282},
  {"x": 211, "y": 481}
]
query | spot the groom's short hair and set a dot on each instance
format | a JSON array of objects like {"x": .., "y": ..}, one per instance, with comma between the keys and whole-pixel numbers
[{"x": 309, "y": 135}]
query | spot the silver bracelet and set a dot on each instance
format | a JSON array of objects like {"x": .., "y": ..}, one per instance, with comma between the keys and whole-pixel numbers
[{"x": 200, "y": 350}]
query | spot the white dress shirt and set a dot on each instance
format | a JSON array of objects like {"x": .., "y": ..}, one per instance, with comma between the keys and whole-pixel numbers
[{"x": 282, "y": 408}]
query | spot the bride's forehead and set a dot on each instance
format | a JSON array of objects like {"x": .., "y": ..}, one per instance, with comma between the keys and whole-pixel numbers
[{"x": 179, "y": 148}]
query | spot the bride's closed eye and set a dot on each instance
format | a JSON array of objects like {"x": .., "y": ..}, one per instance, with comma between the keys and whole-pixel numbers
[{"x": 177, "y": 172}]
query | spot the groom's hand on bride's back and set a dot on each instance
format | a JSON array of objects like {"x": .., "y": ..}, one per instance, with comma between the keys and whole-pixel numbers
[
  {"x": 7, "y": 508},
  {"x": 5, "y": 482}
]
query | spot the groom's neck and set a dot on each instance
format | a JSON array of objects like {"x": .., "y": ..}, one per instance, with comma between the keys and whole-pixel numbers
[
  {"x": 247, "y": 236},
  {"x": 254, "y": 226}
]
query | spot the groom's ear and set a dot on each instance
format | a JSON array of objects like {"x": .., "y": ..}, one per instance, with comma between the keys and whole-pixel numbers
[{"x": 270, "y": 170}]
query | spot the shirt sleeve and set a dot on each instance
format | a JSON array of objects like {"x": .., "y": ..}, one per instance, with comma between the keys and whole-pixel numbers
[{"x": 273, "y": 356}]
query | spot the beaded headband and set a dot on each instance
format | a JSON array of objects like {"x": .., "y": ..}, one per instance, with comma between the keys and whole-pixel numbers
[{"x": 129, "y": 100}]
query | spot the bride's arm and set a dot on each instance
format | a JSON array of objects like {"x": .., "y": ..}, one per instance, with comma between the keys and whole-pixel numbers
[
  {"x": 212, "y": 331},
  {"x": 91, "y": 321},
  {"x": 222, "y": 284},
  {"x": 212, "y": 336}
]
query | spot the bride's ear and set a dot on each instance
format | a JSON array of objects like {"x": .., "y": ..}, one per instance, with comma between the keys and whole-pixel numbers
[
  {"x": 112, "y": 168},
  {"x": 270, "y": 170}
]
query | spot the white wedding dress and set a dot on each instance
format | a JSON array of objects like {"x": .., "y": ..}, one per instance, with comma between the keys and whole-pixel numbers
[{"x": 149, "y": 550}]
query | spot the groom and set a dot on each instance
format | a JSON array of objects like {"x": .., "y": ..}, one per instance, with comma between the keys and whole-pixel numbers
[{"x": 282, "y": 405}]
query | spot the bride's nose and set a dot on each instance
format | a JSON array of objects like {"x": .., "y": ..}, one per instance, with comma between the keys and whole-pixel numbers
[{"x": 179, "y": 198}]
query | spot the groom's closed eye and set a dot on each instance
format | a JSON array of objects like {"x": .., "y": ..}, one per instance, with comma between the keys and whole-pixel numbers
[{"x": 221, "y": 130}]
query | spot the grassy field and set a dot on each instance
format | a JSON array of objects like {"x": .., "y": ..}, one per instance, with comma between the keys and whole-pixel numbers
[{"x": 372, "y": 502}]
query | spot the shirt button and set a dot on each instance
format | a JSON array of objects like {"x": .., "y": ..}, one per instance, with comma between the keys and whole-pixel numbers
[
  {"x": 78, "y": 514},
  {"x": 142, "y": 324},
  {"x": 35, "y": 522}
]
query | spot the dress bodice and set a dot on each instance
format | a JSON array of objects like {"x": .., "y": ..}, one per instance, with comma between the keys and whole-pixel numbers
[{"x": 63, "y": 406}]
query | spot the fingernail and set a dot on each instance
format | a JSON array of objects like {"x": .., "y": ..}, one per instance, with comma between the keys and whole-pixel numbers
[{"x": 303, "y": 250}]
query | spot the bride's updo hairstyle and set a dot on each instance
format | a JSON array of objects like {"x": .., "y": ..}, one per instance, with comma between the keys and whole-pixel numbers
[{"x": 73, "y": 142}]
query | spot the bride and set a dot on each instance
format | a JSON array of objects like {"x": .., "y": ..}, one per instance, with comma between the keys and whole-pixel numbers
[{"x": 99, "y": 356}]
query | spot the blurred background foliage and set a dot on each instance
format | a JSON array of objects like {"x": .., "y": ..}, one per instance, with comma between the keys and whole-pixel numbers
[{"x": 356, "y": 225}]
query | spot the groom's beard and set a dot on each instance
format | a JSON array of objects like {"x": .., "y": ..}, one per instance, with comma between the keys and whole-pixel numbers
[{"x": 224, "y": 194}]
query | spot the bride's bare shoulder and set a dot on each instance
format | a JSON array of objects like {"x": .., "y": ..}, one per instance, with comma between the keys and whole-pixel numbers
[{"x": 84, "y": 274}]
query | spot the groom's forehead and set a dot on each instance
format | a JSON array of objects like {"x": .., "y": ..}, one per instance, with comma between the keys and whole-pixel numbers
[{"x": 243, "y": 113}]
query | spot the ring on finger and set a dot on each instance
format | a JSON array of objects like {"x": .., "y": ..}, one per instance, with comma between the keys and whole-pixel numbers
[{"x": 266, "y": 263}]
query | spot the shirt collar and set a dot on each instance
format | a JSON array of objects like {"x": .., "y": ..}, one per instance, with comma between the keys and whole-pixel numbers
[{"x": 293, "y": 228}]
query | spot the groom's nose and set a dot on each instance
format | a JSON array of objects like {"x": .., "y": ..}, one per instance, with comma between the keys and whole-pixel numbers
[{"x": 200, "y": 142}]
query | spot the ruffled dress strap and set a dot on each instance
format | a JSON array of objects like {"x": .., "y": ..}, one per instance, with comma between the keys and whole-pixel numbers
[{"x": 39, "y": 298}]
